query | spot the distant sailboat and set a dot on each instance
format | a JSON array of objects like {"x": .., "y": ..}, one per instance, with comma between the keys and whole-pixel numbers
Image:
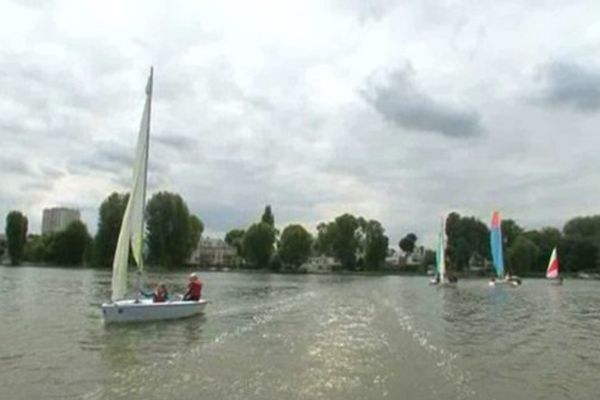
[
  {"x": 496, "y": 245},
  {"x": 131, "y": 236},
  {"x": 552, "y": 271},
  {"x": 442, "y": 277},
  {"x": 497, "y": 253}
]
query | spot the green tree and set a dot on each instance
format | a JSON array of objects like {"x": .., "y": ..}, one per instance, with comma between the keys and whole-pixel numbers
[
  {"x": 295, "y": 245},
  {"x": 268, "y": 217},
  {"x": 235, "y": 238},
  {"x": 325, "y": 237},
  {"x": 110, "y": 217},
  {"x": 578, "y": 254},
  {"x": 345, "y": 243},
  {"x": 196, "y": 229},
  {"x": 583, "y": 227},
  {"x": 522, "y": 255},
  {"x": 510, "y": 232},
  {"x": 583, "y": 232},
  {"x": 68, "y": 247},
  {"x": 407, "y": 243},
  {"x": 34, "y": 250},
  {"x": 465, "y": 236},
  {"x": 168, "y": 227},
  {"x": 375, "y": 244},
  {"x": 258, "y": 244},
  {"x": 545, "y": 239},
  {"x": 16, "y": 235}
]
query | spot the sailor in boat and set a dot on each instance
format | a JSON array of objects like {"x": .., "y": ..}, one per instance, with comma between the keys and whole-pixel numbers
[
  {"x": 194, "y": 290},
  {"x": 159, "y": 295},
  {"x": 435, "y": 280},
  {"x": 492, "y": 281},
  {"x": 513, "y": 280}
]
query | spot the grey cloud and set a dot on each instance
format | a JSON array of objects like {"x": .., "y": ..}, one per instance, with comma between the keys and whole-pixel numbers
[
  {"x": 104, "y": 156},
  {"x": 569, "y": 84},
  {"x": 401, "y": 102},
  {"x": 368, "y": 10},
  {"x": 50, "y": 172},
  {"x": 14, "y": 165},
  {"x": 177, "y": 142},
  {"x": 38, "y": 185}
]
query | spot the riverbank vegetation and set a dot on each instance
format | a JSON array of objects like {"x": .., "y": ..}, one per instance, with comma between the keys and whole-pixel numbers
[
  {"x": 526, "y": 252},
  {"x": 352, "y": 242}
]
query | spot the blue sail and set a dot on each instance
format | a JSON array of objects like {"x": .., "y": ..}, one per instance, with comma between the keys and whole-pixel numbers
[{"x": 496, "y": 244}]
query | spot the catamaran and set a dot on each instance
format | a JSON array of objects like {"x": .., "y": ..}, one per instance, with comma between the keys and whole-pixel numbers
[
  {"x": 497, "y": 254},
  {"x": 552, "y": 271},
  {"x": 131, "y": 236}
]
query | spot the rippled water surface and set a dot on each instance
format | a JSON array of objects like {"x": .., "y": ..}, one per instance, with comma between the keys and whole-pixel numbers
[{"x": 301, "y": 337}]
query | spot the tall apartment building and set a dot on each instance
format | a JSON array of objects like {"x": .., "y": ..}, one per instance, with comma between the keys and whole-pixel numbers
[{"x": 58, "y": 218}]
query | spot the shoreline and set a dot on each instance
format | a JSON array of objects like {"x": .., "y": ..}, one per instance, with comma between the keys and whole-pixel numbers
[{"x": 592, "y": 275}]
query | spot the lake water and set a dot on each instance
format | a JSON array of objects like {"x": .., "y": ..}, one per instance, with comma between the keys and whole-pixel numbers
[{"x": 267, "y": 336}]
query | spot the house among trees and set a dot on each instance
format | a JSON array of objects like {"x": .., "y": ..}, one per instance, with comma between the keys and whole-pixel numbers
[
  {"x": 413, "y": 259},
  {"x": 319, "y": 264},
  {"x": 392, "y": 258},
  {"x": 214, "y": 253}
]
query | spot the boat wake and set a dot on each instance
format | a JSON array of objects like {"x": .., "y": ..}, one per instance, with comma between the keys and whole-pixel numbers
[{"x": 444, "y": 360}]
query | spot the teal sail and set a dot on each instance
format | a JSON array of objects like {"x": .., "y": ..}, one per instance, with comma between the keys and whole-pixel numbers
[
  {"x": 496, "y": 244},
  {"x": 440, "y": 253}
]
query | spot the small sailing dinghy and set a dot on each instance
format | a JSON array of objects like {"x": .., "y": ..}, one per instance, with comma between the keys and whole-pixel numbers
[
  {"x": 497, "y": 254},
  {"x": 552, "y": 271},
  {"x": 131, "y": 236},
  {"x": 442, "y": 278}
]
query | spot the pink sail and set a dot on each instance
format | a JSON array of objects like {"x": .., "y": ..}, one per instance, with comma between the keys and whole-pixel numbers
[{"x": 552, "y": 271}]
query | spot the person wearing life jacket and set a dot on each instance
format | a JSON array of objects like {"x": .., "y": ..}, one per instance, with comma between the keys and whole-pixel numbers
[
  {"x": 160, "y": 294},
  {"x": 194, "y": 290}
]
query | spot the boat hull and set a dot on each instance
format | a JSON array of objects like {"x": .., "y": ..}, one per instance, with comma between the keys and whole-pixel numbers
[
  {"x": 146, "y": 310},
  {"x": 505, "y": 283}
]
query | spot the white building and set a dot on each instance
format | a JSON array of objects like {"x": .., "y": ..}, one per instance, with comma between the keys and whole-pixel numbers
[
  {"x": 213, "y": 252},
  {"x": 318, "y": 264},
  {"x": 416, "y": 257},
  {"x": 57, "y": 219}
]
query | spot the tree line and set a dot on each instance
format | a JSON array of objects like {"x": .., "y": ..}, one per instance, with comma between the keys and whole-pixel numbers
[
  {"x": 354, "y": 242},
  {"x": 526, "y": 252},
  {"x": 171, "y": 235}
]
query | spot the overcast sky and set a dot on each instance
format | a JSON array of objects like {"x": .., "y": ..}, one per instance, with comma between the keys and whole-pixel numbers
[{"x": 399, "y": 111}]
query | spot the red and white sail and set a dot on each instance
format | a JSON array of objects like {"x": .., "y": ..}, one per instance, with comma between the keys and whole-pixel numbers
[{"x": 552, "y": 271}]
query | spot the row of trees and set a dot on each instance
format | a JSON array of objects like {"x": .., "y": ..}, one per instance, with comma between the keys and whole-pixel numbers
[
  {"x": 262, "y": 246},
  {"x": 171, "y": 231},
  {"x": 525, "y": 251},
  {"x": 353, "y": 241}
]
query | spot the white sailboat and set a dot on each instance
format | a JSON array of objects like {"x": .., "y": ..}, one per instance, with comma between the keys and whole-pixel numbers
[{"x": 131, "y": 236}]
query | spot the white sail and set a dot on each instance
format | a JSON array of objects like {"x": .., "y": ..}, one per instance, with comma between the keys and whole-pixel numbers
[{"x": 132, "y": 227}]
